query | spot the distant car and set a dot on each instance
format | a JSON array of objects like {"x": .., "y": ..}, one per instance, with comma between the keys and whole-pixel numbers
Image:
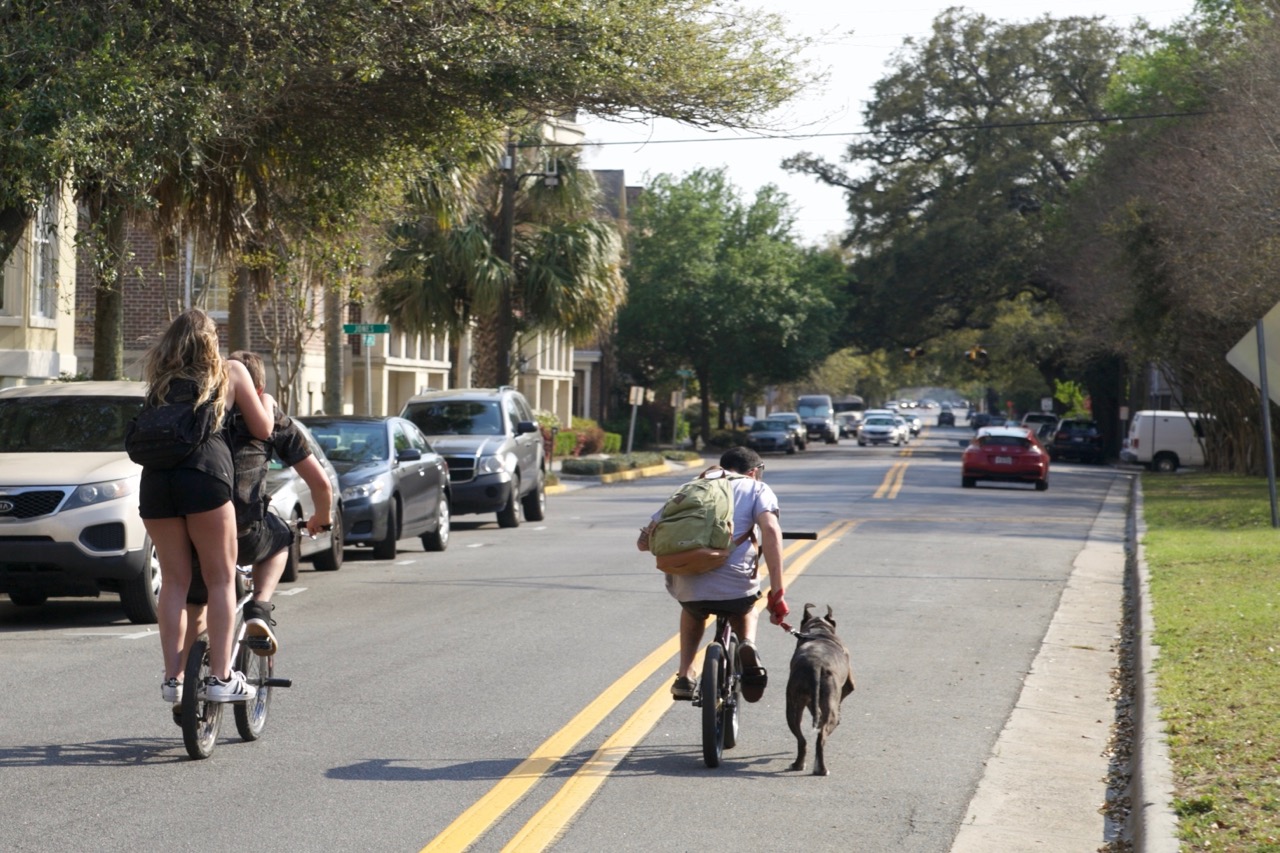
[
  {"x": 1039, "y": 420},
  {"x": 881, "y": 429},
  {"x": 946, "y": 417},
  {"x": 394, "y": 485},
  {"x": 913, "y": 422},
  {"x": 1008, "y": 454},
  {"x": 978, "y": 420},
  {"x": 847, "y": 423},
  {"x": 796, "y": 423},
  {"x": 1077, "y": 438},
  {"x": 497, "y": 459},
  {"x": 69, "y": 497},
  {"x": 769, "y": 435},
  {"x": 291, "y": 500}
]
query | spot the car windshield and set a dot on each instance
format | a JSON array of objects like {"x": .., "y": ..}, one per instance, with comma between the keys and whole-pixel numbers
[
  {"x": 456, "y": 417},
  {"x": 818, "y": 410},
  {"x": 71, "y": 424},
  {"x": 768, "y": 426},
  {"x": 875, "y": 421},
  {"x": 1004, "y": 441},
  {"x": 351, "y": 443}
]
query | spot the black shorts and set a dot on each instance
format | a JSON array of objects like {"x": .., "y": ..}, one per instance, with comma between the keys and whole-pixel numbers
[
  {"x": 263, "y": 539},
  {"x": 730, "y": 606},
  {"x": 179, "y": 492}
]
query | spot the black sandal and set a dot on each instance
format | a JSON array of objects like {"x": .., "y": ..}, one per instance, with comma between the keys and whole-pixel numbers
[{"x": 754, "y": 676}]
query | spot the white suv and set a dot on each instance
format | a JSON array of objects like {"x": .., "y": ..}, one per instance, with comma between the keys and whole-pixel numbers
[{"x": 69, "y": 523}]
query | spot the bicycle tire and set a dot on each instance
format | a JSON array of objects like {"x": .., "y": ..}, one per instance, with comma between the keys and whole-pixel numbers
[
  {"x": 712, "y": 705},
  {"x": 733, "y": 696},
  {"x": 251, "y": 716},
  {"x": 200, "y": 719}
]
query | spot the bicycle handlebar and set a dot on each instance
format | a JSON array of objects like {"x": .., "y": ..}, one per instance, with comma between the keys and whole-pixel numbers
[
  {"x": 302, "y": 525},
  {"x": 799, "y": 534}
]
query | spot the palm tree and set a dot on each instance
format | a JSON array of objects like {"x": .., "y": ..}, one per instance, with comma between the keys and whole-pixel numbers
[{"x": 447, "y": 270}]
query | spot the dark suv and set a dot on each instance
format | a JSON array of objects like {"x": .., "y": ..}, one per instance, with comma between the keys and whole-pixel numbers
[
  {"x": 497, "y": 461},
  {"x": 1076, "y": 438}
]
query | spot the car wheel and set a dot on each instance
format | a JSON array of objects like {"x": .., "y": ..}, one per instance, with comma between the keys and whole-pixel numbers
[
  {"x": 140, "y": 596},
  {"x": 27, "y": 598},
  {"x": 438, "y": 539},
  {"x": 791, "y": 449},
  {"x": 331, "y": 560},
  {"x": 1165, "y": 463},
  {"x": 290, "y": 573},
  {"x": 385, "y": 549},
  {"x": 968, "y": 482},
  {"x": 509, "y": 515},
  {"x": 535, "y": 503},
  {"x": 861, "y": 443},
  {"x": 1042, "y": 485}
]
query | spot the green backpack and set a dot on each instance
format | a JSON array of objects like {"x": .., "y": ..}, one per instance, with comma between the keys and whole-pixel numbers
[{"x": 694, "y": 534}]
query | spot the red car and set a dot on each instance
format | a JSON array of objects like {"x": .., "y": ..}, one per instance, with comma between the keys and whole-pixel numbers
[{"x": 1011, "y": 454}]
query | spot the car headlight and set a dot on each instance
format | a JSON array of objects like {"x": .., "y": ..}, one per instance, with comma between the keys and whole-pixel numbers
[
  {"x": 96, "y": 493},
  {"x": 370, "y": 490},
  {"x": 490, "y": 465}
]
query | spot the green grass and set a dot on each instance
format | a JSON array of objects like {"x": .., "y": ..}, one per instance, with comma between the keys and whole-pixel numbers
[{"x": 1215, "y": 591}]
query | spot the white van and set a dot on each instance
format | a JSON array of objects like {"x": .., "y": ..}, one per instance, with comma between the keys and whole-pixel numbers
[{"x": 1164, "y": 440}]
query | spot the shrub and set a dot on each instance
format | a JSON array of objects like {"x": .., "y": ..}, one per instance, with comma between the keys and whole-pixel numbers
[
  {"x": 614, "y": 464},
  {"x": 726, "y": 438},
  {"x": 592, "y": 440},
  {"x": 566, "y": 443},
  {"x": 612, "y": 442},
  {"x": 681, "y": 455},
  {"x": 584, "y": 467}
]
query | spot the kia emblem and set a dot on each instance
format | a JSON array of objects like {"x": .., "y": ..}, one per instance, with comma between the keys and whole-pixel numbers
[{"x": 6, "y": 507}]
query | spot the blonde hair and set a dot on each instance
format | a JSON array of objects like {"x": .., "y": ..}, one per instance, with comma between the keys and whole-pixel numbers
[{"x": 188, "y": 349}]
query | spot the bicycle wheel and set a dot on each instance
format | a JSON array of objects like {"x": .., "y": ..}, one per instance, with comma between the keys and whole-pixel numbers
[
  {"x": 200, "y": 719},
  {"x": 251, "y": 716},
  {"x": 733, "y": 696},
  {"x": 713, "y": 705}
]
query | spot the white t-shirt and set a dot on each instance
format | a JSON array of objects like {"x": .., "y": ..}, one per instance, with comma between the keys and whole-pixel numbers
[{"x": 733, "y": 579}]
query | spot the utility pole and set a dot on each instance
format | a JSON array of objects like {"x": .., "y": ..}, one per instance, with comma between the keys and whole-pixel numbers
[{"x": 505, "y": 244}]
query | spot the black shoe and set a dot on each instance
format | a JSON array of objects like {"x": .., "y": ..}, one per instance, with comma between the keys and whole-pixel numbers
[
  {"x": 754, "y": 675},
  {"x": 684, "y": 689},
  {"x": 257, "y": 628}
]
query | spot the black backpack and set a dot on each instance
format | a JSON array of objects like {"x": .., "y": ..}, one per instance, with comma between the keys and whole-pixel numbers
[{"x": 163, "y": 436}]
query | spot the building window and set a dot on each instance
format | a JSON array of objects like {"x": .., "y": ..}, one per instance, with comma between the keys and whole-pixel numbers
[
  {"x": 44, "y": 273},
  {"x": 210, "y": 286}
]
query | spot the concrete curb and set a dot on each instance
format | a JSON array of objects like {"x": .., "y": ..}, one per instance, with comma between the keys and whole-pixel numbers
[
  {"x": 568, "y": 482},
  {"x": 1152, "y": 822}
]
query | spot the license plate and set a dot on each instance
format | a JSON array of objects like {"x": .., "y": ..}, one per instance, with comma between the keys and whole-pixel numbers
[
  {"x": 1078, "y": 439},
  {"x": 1004, "y": 460}
]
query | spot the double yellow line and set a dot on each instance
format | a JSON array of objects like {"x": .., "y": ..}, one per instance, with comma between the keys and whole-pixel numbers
[
  {"x": 554, "y": 817},
  {"x": 892, "y": 481}
]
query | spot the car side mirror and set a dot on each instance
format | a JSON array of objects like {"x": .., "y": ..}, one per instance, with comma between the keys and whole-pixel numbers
[
  {"x": 526, "y": 427},
  {"x": 409, "y": 454}
]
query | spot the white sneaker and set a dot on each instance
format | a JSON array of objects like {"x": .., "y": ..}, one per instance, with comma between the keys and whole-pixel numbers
[
  {"x": 171, "y": 691},
  {"x": 234, "y": 689}
]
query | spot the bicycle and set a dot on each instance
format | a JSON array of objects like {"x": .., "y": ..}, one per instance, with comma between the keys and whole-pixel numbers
[
  {"x": 200, "y": 718},
  {"x": 720, "y": 687}
]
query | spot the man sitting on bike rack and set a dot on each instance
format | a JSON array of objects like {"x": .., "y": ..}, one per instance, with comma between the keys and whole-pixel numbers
[{"x": 734, "y": 587}]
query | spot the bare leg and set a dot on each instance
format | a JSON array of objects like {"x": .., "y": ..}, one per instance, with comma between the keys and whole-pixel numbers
[
  {"x": 173, "y": 547},
  {"x": 266, "y": 575},
  {"x": 214, "y": 535},
  {"x": 745, "y": 626},
  {"x": 691, "y": 630}
]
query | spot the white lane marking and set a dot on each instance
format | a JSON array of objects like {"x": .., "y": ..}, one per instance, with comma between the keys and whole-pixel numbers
[
  {"x": 292, "y": 590},
  {"x": 477, "y": 544},
  {"x": 405, "y": 562},
  {"x": 139, "y": 635}
]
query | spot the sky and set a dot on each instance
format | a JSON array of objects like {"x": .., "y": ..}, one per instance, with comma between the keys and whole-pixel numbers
[{"x": 853, "y": 43}]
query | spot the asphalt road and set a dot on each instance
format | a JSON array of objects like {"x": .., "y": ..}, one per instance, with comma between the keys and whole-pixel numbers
[{"x": 511, "y": 693}]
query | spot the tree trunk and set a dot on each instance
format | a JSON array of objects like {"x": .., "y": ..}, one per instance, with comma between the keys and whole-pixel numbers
[
  {"x": 239, "y": 304},
  {"x": 704, "y": 416},
  {"x": 13, "y": 221},
  {"x": 108, "y": 309},
  {"x": 485, "y": 353},
  {"x": 335, "y": 348}
]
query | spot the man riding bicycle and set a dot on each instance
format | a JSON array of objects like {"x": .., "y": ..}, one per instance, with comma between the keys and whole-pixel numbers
[{"x": 734, "y": 587}]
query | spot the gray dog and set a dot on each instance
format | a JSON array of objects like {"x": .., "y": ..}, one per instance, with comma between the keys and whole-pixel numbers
[{"x": 821, "y": 676}]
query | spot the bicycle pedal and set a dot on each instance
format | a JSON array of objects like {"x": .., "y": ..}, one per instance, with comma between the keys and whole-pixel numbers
[{"x": 258, "y": 644}]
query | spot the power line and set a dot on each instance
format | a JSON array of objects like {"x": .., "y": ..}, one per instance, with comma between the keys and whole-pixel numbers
[{"x": 902, "y": 131}]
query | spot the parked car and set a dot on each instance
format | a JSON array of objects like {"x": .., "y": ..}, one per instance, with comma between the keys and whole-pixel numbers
[
  {"x": 1164, "y": 440},
  {"x": 1076, "y": 438},
  {"x": 394, "y": 485},
  {"x": 914, "y": 424},
  {"x": 69, "y": 497},
  {"x": 978, "y": 420},
  {"x": 291, "y": 500},
  {"x": 947, "y": 418},
  {"x": 881, "y": 429},
  {"x": 497, "y": 459},
  {"x": 819, "y": 417},
  {"x": 771, "y": 435},
  {"x": 1010, "y": 454},
  {"x": 798, "y": 429}
]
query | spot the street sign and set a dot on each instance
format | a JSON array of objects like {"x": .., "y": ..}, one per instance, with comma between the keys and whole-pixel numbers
[
  {"x": 366, "y": 328},
  {"x": 1046, "y": 404},
  {"x": 1244, "y": 355}
]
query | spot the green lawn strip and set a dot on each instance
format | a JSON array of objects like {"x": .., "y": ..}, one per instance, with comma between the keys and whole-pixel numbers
[{"x": 1215, "y": 592}]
